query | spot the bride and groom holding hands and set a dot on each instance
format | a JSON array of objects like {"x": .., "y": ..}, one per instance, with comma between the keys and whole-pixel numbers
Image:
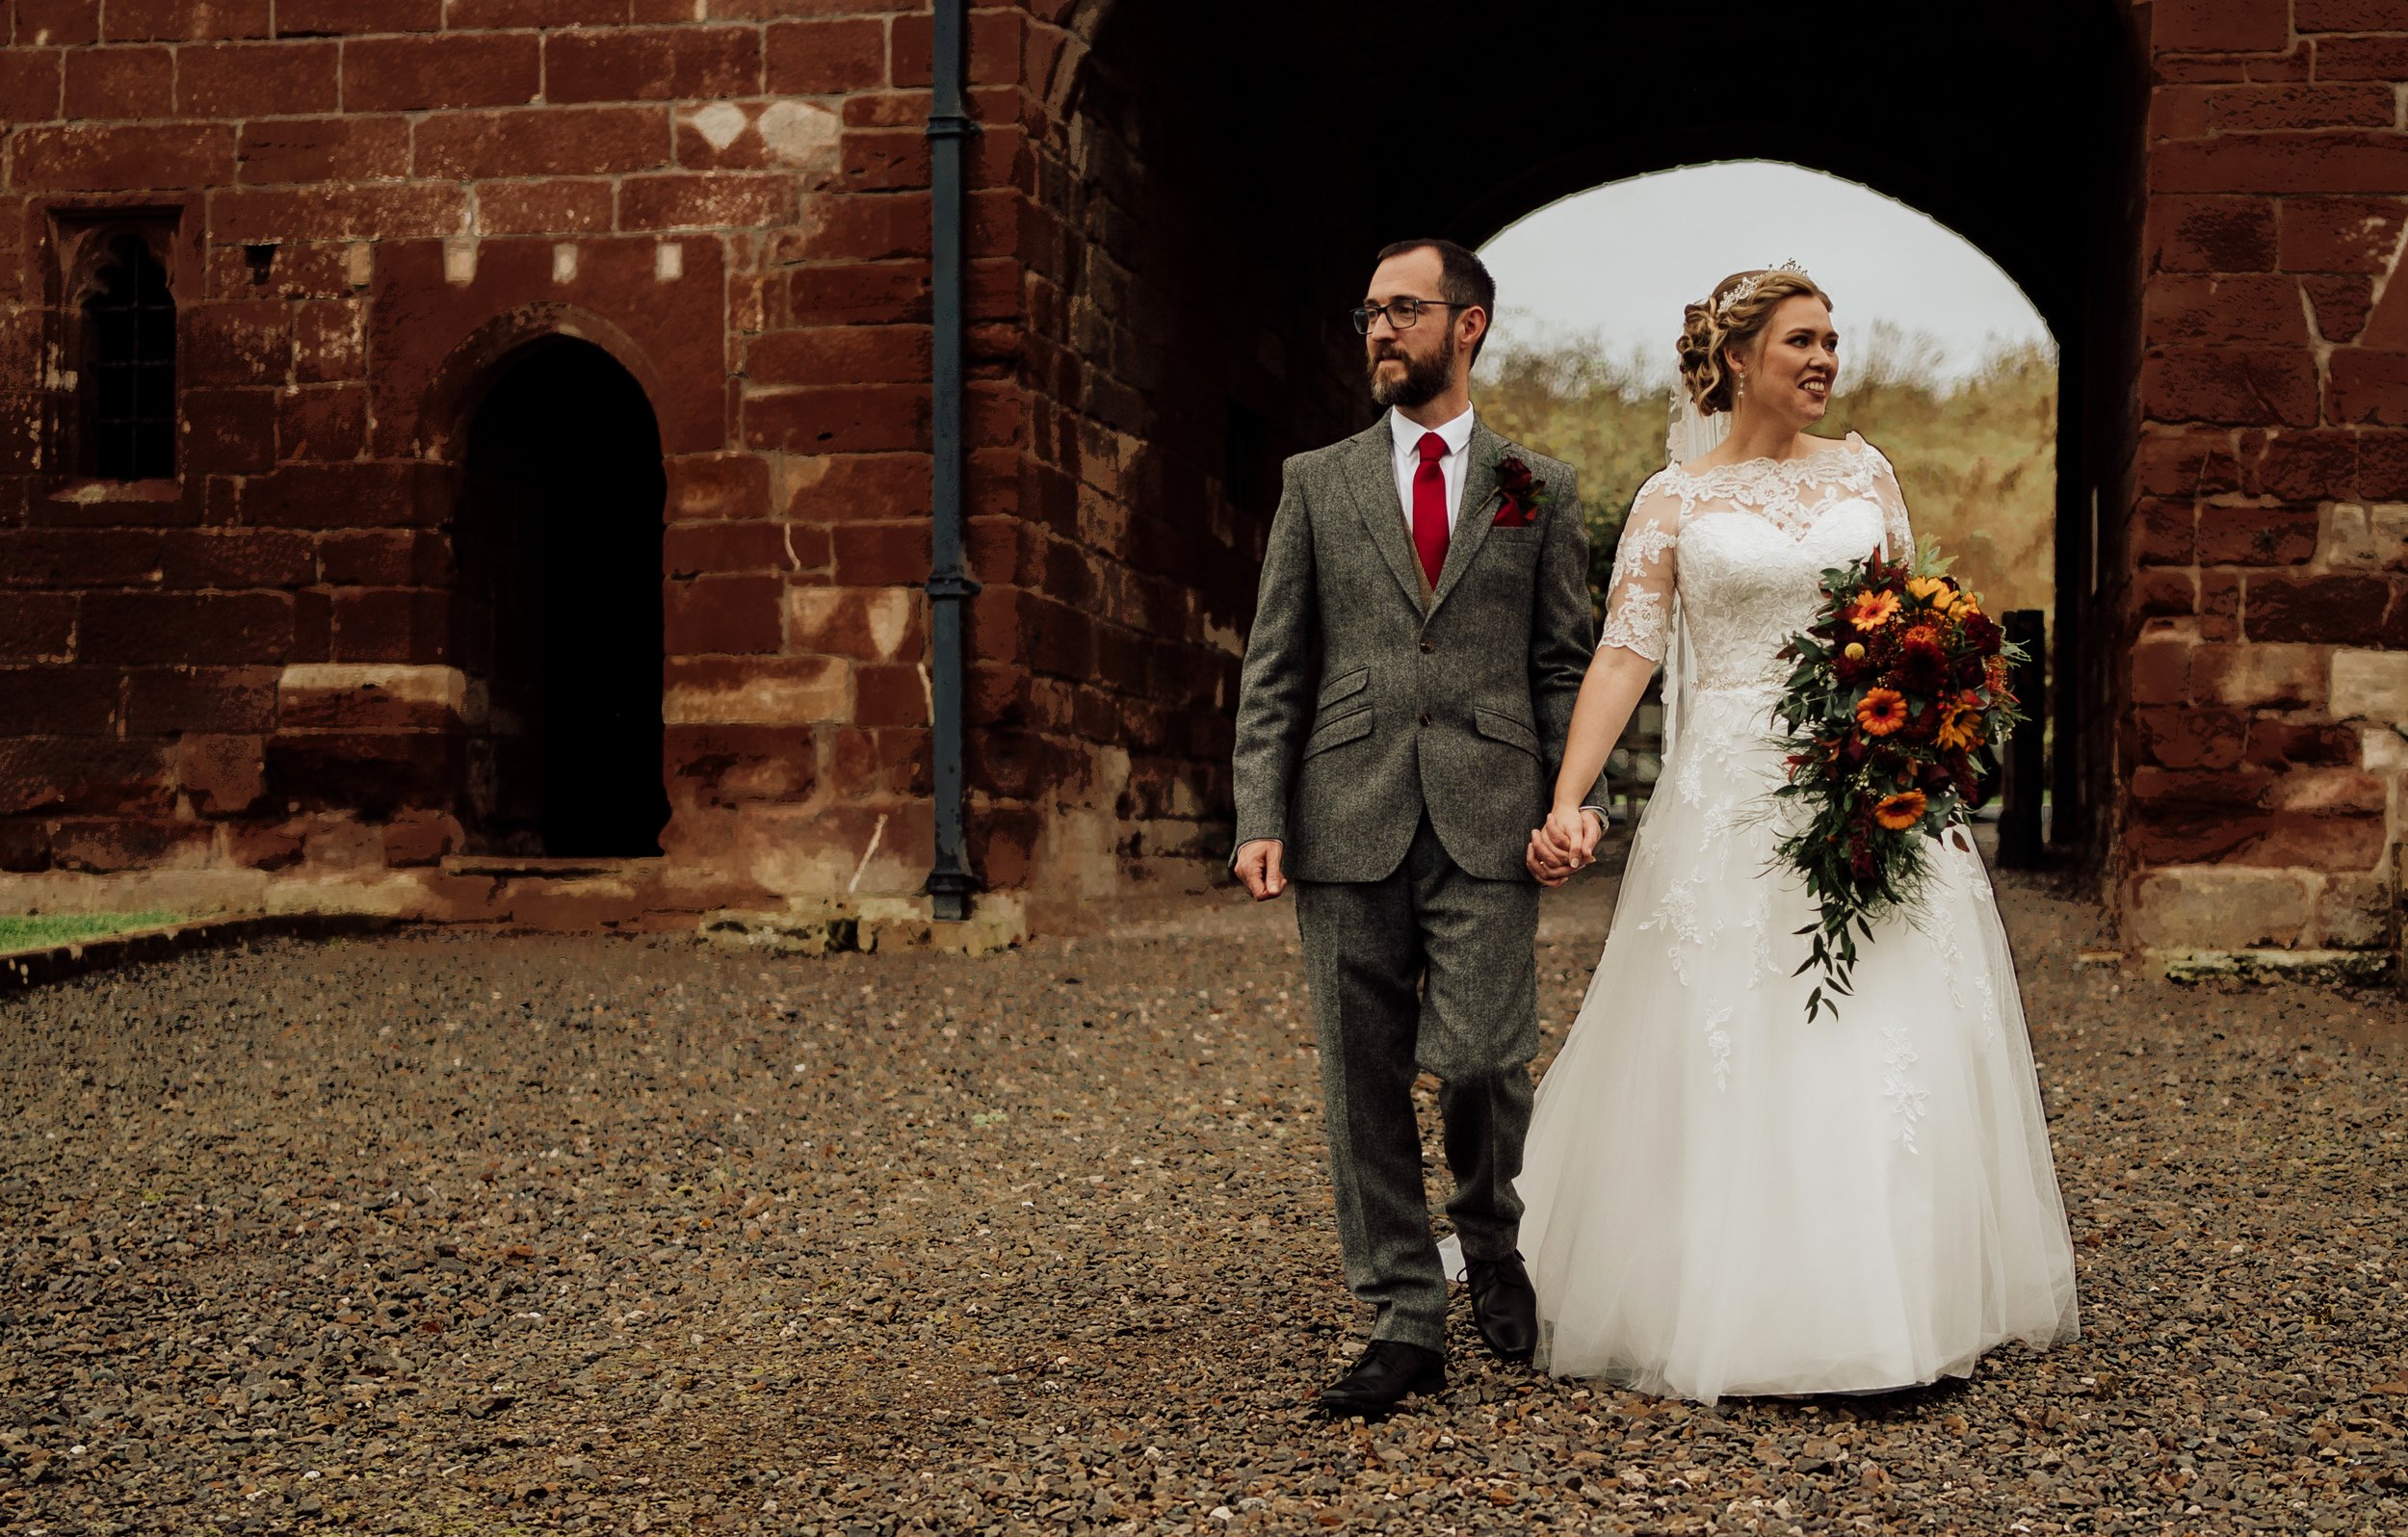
[{"x": 1709, "y": 1193}]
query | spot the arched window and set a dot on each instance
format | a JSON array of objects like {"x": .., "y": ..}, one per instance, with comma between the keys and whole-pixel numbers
[{"x": 126, "y": 373}]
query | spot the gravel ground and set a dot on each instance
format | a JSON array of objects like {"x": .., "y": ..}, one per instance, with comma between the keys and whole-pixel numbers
[{"x": 465, "y": 1234}]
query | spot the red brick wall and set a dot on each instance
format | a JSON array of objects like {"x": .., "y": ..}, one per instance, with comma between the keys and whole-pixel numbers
[{"x": 2270, "y": 580}]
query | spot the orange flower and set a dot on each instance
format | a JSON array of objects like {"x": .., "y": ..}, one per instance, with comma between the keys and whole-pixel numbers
[
  {"x": 1881, "y": 712},
  {"x": 1960, "y": 722},
  {"x": 1900, "y": 811},
  {"x": 1872, "y": 609},
  {"x": 1929, "y": 634}
]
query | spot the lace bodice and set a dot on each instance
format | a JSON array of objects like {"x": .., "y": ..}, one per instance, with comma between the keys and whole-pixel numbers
[{"x": 1745, "y": 547}]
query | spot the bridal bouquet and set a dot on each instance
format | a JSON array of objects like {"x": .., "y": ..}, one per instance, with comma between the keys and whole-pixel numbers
[{"x": 1897, "y": 699}]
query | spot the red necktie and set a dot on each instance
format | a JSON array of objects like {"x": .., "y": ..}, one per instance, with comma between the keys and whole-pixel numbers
[{"x": 1429, "y": 505}]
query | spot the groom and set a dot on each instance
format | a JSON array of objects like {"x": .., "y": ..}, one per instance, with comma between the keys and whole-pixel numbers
[{"x": 1441, "y": 574}]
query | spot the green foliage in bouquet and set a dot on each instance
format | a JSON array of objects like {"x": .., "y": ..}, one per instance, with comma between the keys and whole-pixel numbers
[{"x": 1897, "y": 702}]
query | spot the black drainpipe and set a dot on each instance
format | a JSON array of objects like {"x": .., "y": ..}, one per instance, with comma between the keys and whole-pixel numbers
[{"x": 949, "y": 882}]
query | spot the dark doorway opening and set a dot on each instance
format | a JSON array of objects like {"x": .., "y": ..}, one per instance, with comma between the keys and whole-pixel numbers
[{"x": 558, "y": 540}]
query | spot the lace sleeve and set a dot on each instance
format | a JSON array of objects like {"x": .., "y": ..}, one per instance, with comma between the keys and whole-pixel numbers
[
  {"x": 1898, "y": 534},
  {"x": 1638, "y": 604}
]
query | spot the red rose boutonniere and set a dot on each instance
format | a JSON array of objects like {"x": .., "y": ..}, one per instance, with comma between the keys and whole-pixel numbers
[{"x": 1523, "y": 495}]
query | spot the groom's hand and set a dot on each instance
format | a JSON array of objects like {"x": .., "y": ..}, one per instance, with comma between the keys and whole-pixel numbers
[{"x": 1258, "y": 866}]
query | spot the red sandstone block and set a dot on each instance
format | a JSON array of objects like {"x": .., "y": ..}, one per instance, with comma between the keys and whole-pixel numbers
[
  {"x": 2280, "y": 744},
  {"x": 78, "y": 558},
  {"x": 2369, "y": 387},
  {"x": 118, "y": 83},
  {"x": 2383, "y": 466},
  {"x": 371, "y": 774},
  {"x": 885, "y": 161},
  {"x": 2160, "y": 592},
  {"x": 477, "y": 15},
  {"x": 230, "y": 431},
  {"x": 2340, "y": 234},
  {"x": 327, "y": 341},
  {"x": 56, "y": 23},
  {"x": 297, "y": 18},
  {"x": 710, "y": 486},
  {"x": 2311, "y": 466},
  {"x": 825, "y": 57},
  {"x": 2332, "y": 161},
  {"x": 652, "y": 64},
  {"x": 2256, "y": 536},
  {"x": 2318, "y": 610},
  {"x": 307, "y": 149},
  {"x": 2219, "y": 26},
  {"x": 2185, "y": 463},
  {"x": 82, "y": 157},
  {"x": 243, "y": 341},
  {"x": 730, "y": 765},
  {"x": 838, "y": 419},
  {"x": 219, "y": 628},
  {"x": 2219, "y": 605},
  {"x": 855, "y": 488},
  {"x": 415, "y": 74},
  {"x": 24, "y": 845},
  {"x": 2250, "y": 109},
  {"x": 723, "y": 614},
  {"x": 559, "y": 207},
  {"x": 543, "y": 141},
  {"x": 2378, "y": 58},
  {"x": 182, "y": 20},
  {"x": 391, "y": 624},
  {"x": 37, "y": 627},
  {"x": 867, "y": 227},
  {"x": 2247, "y": 386},
  {"x": 224, "y": 775},
  {"x": 860, "y": 294},
  {"x": 257, "y": 79},
  {"x": 367, "y": 494},
  {"x": 236, "y": 558},
  {"x": 338, "y": 212},
  {"x": 706, "y": 200},
  {"x": 58, "y": 701},
  {"x": 2341, "y": 302},
  {"x": 2351, "y": 15},
  {"x": 889, "y": 694},
  {"x": 29, "y": 85},
  {"x": 881, "y": 555},
  {"x": 324, "y": 422},
  {"x": 217, "y": 699},
  {"x": 385, "y": 557},
  {"x": 93, "y": 775},
  {"x": 690, "y": 550},
  {"x": 840, "y": 355},
  {"x": 421, "y": 838},
  {"x": 105, "y": 846},
  {"x": 2160, "y": 671}
]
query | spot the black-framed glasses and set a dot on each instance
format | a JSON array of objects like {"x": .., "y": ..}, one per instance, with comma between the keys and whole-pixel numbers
[{"x": 1401, "y": 312}]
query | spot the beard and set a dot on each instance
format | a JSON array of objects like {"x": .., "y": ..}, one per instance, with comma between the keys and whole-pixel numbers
[{"x": 1425, "y": 378}]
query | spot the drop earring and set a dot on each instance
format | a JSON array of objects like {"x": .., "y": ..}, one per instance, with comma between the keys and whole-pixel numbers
[{"x": 1741, "y": 388}]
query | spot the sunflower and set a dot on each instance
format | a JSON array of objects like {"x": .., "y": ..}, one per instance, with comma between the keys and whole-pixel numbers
[
  {"x": 1925, "y": 588},
  {"x": 1872, "y": 609},
  {"x": 1960, "y": 722},
  {"x": 1900, "y": 811},
  {"x": 1881, "y": 712}
]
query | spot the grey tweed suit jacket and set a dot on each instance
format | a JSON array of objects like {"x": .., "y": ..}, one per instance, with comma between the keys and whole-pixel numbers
[{"x": 1454, "y": 700}]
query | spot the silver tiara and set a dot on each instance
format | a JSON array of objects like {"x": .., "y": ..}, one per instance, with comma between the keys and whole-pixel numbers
[{"x": 1745, "y": 288}]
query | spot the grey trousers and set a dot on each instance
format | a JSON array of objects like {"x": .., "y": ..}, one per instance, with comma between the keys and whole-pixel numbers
[{"x": 1427, "y": 968}]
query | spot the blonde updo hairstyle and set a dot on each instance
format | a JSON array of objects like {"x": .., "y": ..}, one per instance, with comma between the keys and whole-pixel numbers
[{"x": 1707, "y": 339}]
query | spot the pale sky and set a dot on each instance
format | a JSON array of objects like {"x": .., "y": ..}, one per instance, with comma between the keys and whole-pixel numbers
[{"x": 1619, "y": 261}]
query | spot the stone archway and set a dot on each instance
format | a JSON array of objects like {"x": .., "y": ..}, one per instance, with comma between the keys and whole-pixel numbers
[
  {"x": 559, "y": 623},
  {"x": 1216, "y": 206}
]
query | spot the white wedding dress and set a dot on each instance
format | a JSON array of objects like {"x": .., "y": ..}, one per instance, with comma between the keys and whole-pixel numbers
[{"x": 1723, "y": 1197}]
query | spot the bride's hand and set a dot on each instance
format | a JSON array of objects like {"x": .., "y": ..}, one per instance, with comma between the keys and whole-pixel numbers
[{"x": 1574, "y": 831}]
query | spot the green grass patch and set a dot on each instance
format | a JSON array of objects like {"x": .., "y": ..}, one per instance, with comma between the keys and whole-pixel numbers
[{"x": 43, "y": 930}]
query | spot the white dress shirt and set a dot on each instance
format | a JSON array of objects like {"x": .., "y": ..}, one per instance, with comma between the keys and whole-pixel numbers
[{"x": 1408, "y": 460}]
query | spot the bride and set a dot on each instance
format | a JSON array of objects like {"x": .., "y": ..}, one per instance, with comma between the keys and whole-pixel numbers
[{"x": 1722, "y": 1196}]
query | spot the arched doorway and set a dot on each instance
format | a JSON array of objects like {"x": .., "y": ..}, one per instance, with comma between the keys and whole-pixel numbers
[
  {"x": 1219, "y": 248},
  {"x": 558, "y": 535}
]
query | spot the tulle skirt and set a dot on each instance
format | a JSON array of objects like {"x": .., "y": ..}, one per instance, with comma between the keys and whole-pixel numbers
[{"x": 1724, "y": 1198}]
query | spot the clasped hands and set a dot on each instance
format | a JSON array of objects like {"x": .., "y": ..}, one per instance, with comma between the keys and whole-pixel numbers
[{"x": 1563, "y": 844}]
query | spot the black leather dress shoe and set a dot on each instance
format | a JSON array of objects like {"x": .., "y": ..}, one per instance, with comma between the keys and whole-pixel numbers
[
  {"x": 1503, "y": 1305},
  {"x": 1388, "y": 1372}
]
